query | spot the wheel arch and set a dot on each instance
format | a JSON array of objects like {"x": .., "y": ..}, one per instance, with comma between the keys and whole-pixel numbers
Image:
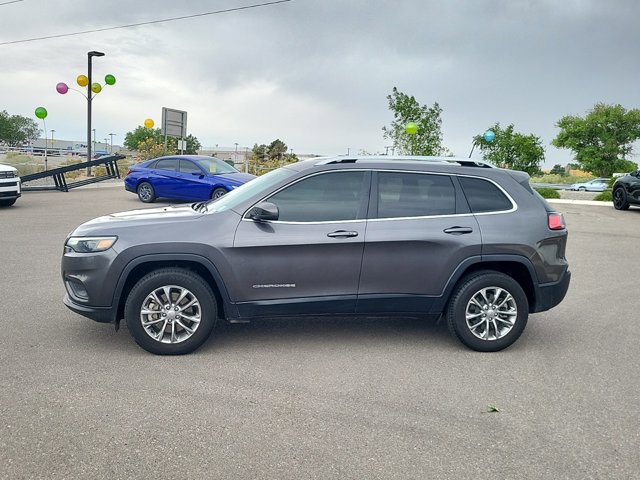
[
  {"x": 517, "y": 267},
  {"x": 139, "y": 267}
]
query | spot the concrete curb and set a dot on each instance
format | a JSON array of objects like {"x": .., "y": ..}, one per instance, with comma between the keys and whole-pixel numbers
[{"x": 580, "y": 202}]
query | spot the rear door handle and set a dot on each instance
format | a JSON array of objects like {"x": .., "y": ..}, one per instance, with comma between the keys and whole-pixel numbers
[
  {"x": 342, "y": 234},
  {"x": 458, "y": 230}
]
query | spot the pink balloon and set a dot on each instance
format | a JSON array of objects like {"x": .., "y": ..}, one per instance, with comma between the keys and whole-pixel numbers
[{"x": 62, "y": 88}]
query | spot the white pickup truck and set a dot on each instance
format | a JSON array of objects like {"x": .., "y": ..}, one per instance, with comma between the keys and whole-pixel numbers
[{"x": 10, "y": 186}]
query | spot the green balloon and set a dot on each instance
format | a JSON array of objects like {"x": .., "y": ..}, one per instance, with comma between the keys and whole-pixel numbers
[
  {"x": 41, "y": 113},
  {"x": 411, "y": 128},
  {"x": 110, "y": 79}
]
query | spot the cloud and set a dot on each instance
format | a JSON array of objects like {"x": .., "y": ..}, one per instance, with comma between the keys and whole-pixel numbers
[{"x": 316, "y": 73}]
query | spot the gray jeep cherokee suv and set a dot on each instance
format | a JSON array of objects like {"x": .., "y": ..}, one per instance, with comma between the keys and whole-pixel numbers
[{"x": 370, "y": 236}]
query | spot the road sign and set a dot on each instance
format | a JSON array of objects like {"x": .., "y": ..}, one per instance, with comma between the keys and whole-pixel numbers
[{"x": 174, "y": 122}]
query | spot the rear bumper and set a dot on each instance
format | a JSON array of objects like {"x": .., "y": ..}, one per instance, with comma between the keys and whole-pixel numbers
[{"x": 550, "y": 295}]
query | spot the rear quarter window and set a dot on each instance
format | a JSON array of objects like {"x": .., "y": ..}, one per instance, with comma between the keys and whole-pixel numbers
[{"x": 484, "y": 196}]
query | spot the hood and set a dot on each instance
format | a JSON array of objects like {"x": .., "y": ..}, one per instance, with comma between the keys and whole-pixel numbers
[
  {"x": 144, "y": 217},
  {"x": 9, "y": 168}
]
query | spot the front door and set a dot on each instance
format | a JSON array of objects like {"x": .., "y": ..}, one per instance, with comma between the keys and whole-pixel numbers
[{"x": 308, "y": 261}]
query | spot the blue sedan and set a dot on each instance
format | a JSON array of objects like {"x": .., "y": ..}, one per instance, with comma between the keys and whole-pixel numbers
[{"x": 183, "y": 177}]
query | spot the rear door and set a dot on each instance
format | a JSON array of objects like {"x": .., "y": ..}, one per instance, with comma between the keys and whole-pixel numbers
[
  {"x": 419, "y": 231},
  {"x": 308, "y": 261},
  {"x": 165, "y": 177}
]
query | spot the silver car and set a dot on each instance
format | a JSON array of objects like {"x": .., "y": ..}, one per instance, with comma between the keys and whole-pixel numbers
[{"x": 595, "y": 185}]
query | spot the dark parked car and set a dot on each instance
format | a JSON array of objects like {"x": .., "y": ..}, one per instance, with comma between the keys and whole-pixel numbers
[
  {"x": 626, "y": 191},
  {"x": 183, "y": 177},
  {"x": 370, "y": 236}
]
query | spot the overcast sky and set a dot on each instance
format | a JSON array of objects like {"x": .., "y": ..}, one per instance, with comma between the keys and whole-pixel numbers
[{"x": 316, "y": 73}]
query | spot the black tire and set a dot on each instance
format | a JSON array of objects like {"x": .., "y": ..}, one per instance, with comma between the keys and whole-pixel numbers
[
  {"x": 217, "y": 193},
  {"x": 504, "y": 336},
  {"x": 7, "y": 203},
  {"x": 173, "y": 319},
  {"x": 620, "y": 201},
  {"x": 582, "y": 189},
  {"x": 146, "y": 192}
]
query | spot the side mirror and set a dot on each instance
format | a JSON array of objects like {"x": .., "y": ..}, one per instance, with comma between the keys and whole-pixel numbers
[{"x": 264, "y": 211}]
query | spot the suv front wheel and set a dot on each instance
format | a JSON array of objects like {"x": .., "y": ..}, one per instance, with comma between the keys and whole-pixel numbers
[
  {"x": 488, "y": 311},
  {"x": 170, "y": 311}
]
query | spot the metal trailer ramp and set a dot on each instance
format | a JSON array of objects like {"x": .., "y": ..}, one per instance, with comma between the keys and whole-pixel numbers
[{"x": 39, "y": 180}]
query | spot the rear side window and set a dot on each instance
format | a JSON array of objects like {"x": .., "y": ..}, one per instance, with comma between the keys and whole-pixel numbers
[
  {"x": 402, "y": 194},
  {"x": 167, "y": 164},
  {"x": 484, "y": 196}
]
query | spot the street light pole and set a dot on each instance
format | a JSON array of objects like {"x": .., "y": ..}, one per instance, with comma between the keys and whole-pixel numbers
[
  {"x": 111, "y": 149},
  {"x": 90, "y": 55}
]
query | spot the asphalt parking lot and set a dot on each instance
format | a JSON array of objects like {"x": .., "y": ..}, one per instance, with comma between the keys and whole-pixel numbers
[{"x": 317, "y": 398}]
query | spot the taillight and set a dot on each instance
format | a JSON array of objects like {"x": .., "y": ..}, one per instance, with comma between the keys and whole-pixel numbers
[
  {"x": 556, "y": 221},
  {"x": 129, "y": 172}
]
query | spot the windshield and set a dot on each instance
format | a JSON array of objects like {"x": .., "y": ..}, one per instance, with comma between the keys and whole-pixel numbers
[
  {"x": 215, "y": 165},
  {"x": 248, "y": 190}
]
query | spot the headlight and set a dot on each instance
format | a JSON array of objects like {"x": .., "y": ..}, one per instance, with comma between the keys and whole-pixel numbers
[{"x": 90, "y": 244}]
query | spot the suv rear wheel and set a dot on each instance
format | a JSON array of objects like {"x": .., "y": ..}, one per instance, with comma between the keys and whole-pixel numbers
[
  {"x": 488, "y": 311},
  {"x": 170, "y": 311}
]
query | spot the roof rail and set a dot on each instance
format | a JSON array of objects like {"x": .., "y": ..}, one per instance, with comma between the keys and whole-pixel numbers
[{"x": 463, "y": 162}]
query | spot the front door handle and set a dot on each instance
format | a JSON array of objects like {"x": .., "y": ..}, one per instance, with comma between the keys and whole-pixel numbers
[
  {"x": 458, "y": 230},
  {"x": 342, "y": 234}
]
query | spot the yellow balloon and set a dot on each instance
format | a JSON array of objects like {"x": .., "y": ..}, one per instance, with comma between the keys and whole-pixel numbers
[
  {"x": 148, "y": 123},
  {"x": 96, "y": 88},
  {"x": 82, "y": 80}
]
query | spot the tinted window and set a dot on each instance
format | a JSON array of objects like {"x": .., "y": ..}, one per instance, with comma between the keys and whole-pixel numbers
[
  {"x": 322, "y": 198},
  {"x": 415, "y": 195},
  {"x": 484, "y": 196},
  {"x": 187, "y": 166},
  {"x": 167, "y": 164}
]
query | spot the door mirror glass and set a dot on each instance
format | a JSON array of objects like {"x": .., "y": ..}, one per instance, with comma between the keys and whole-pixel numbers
[{"x": 263, "y": 211}]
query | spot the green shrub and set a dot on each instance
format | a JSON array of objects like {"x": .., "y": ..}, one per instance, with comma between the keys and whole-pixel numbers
[
  {"x": 548, "y": 192},
  {"x": 604, "y": 196}
]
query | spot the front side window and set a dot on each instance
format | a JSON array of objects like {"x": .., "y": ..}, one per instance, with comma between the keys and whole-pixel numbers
[
  {"x": 167, "y": 164},
  {"x": 328, "y": 197},
  {"x": 402, "y": 194},
  {"x": 484, "y": 196}
]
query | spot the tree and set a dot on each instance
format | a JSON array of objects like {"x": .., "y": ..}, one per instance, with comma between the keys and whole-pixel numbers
[
  {"x": 150, "y": 148},
  {"x": 132, "y": 141},
  {"x": 264, "y": 158},
  {"x": 558, "y": 170},
  {"x": 510, "y": 149},
  {"x": 140, "y": 134},
  {"x": 428, "y": 139},
  {"x": 601, "y": 140},
  {"x": 15, "y": 130}
]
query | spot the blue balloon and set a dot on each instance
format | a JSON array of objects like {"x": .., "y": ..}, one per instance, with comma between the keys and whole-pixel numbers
[{"x": 489, "y": 136}]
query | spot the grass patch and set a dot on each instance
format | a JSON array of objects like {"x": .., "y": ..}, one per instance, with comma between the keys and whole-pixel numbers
[
  {"x": 548, "y": 192},
  {"x": 560, "y": 179},
  {"x": 605, "y": 196}
]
